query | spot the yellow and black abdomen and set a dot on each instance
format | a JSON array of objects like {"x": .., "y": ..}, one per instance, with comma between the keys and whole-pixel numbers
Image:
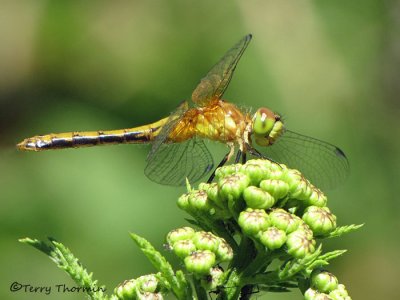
[{"x": 136, "y": 135}]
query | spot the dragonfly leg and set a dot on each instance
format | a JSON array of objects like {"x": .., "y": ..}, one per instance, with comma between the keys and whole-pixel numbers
[
  {"x": 223, "y": 162},
  {"x": 244, "y": 158},
  {"x": 238, "y": 155},
  {"x": 257, "y": 154}
]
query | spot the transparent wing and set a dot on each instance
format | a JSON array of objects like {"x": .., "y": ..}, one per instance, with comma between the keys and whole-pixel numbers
[
  {"x": 173, "y": 119},
  {"x": 324, "y": 164},
  {"x": 172, "y": 163},
  {"x": 214, "y": 84}
]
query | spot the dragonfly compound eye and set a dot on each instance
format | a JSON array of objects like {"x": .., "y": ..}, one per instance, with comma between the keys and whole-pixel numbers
[{"x": 263, "y": 121}]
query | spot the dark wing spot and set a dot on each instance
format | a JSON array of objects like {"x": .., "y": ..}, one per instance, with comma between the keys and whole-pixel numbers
[{"x": 339, "y": 152}]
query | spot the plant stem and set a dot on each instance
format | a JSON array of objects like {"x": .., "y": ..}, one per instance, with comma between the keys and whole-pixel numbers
[{"x": 200, "y": 292}]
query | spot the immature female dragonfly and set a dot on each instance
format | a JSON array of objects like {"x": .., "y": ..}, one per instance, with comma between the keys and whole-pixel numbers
[{"x": 178, "y": 150}]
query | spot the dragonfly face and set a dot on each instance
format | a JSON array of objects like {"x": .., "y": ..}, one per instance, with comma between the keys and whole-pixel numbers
[{"x": 267, "y": 127}]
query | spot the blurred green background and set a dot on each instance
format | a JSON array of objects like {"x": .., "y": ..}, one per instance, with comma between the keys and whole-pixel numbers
[{"x": 332, "y": 68}]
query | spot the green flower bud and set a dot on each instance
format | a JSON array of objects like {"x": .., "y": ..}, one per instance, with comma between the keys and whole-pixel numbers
[
  {"x": 340, "y": 293},
  {"x": 198, "y": 201},
  {"x": 212, "y": 193},
  {"x": 147, "y": 283},
  {"x": 342, "y": 289},
  {"x": 275, "y": 167},
  {"x": 322, "y": 296},
  {"x": 299, "y": 244},
  {"x": 183, "y": 202},
  {"x": 312, "y": 294},
  {"x": 277, "y": 188},
  {"x": 206, "y": 241},
  {"x": 265, "y": 163},
  {"x": 293, "y": 177},
  {"x": 335, "y": 295},
  {"x": 151, "y": 296},
  {"x": 212, "y": 281},
  {"x": 284, "y": 220},
  {"x": 204, "y": 186},
  {"x": 302, "y": 190},
  {"x": 317, "y": 198},
  {"x": 278, "y": 171},
  {"x": 226, "y": 171},
  {"x": 200, "y": 262},
  {"x": 252, "y": 221},
  {"x": 224, "y": 252},
  {"x": 273, "y": 238},
  {"x": 257, "y": 198},
  {"x": 183, "y": 233},
  {"x": 319, "y": 219},
  {"x": 323, "y": 281},
  {"x": 184, "y": 248},
  {"x": 257, "y": 170},
  {"x": 306, "y": 229},
  {"x": 126, "y": 290},
  {"x": 231, "y": 187}
]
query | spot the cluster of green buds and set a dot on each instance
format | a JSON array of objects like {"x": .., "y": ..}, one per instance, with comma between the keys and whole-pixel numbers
[
  {"x": 274, "y": 205},
  {"x": 325, "y": 285},
  {"x": 259, "y": 222},
  {"x": 201, "y": 252},
  {"x": 276, "y": 229},
  {"x": 144, "y": 287}
]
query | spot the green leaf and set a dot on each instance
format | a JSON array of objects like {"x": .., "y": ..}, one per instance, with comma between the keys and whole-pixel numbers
[
  {"x": 296, "y": 265},
  {"x": 339, "y": 231},
  {"x": 65, "y": 260},
  {"x": 40, "y": 245},
  {"x": 179, "y": 286},
  {"x": 323, "y": 260},
  {"x": 318, "y": 263},
  {"x": 181, "y": 278},
  {"x": 332, "y": 254},
  {"x": 193, "y": 222}
]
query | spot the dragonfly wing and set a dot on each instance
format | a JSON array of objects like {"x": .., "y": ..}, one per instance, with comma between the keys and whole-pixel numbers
[
  {"x": 166, "y": 129},
  {"x": 324, "y": 164},
  {"x": 214, "y": 84},
  {"x": 172, "y": 163}
]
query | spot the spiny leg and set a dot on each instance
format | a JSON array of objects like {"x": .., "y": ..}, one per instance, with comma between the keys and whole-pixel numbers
[
  {"x": 238, "y": 155},
  {"x": 258, "y": 154},
  {"x": 255, "y": 152},
  {"x": 243, "y": 148},
  {"x": 244, "y": 158},
  {"x": 223, "y": 161}
]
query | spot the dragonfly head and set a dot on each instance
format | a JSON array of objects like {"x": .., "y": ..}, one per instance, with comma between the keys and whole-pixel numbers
[{"x": 267, "y": 126}]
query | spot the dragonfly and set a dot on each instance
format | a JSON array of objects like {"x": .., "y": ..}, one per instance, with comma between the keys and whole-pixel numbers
[{"x": 179, "y": 152}]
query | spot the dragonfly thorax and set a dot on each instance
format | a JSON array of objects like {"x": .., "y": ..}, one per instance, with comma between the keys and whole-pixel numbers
[{"x": 220, "y": 121}]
